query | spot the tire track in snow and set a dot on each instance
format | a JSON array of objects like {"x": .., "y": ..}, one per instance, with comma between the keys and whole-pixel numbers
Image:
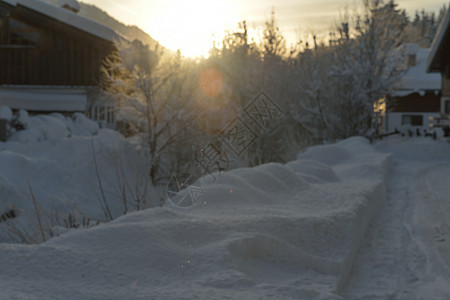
[{"x": 393, "y": 262}]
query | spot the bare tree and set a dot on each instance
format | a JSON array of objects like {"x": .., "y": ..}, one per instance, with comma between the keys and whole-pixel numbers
[
  {"x": 155, "y": 101},
  {"x": 362, "y": 65}
]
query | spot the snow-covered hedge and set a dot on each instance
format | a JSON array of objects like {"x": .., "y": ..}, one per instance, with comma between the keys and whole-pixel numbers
[
  {"x": 274, "y": 231},
  {"x": 71, "y": 167},
  {"x": 53, "y": 127}
]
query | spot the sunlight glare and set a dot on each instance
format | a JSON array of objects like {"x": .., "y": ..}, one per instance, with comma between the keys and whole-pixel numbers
[
  {"x": 216, "y": 101},
  {"x": 190, "y": 25},
  {"x": 211, "y": 82}
]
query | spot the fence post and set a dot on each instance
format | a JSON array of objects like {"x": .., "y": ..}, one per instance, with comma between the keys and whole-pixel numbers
[{"x": 3, "y": 129}]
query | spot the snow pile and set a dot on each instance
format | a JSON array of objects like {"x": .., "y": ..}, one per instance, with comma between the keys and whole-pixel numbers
[
  {"x": 5, "y": 113},
  {"x": 52, "y": 127},
  {"x": 416, "y": 78},
  {"x": 270, "y": 232},
  {"x": 71, "y": 167}
]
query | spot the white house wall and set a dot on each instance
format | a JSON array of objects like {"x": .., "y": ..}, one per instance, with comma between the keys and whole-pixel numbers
[{"x": 393, "y": 120}]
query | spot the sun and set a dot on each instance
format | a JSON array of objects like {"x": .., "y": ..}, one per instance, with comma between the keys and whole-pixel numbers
[{"x": 191, "y": 25}]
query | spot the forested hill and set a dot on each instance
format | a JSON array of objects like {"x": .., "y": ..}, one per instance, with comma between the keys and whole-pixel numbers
[
  {"x": 94, "y": 13},
  {"x": 130, "y": 31}
]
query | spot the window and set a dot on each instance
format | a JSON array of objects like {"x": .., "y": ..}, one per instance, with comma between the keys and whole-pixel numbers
[
  {"x": 17, "y": 33},
  {"x": 414, "y": 120},
  {"x": 110, "y": 119},
  {"x": 104, "y": 113}
]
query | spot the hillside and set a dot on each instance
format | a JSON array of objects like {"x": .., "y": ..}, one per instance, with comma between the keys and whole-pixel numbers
[
  {"x": 96, "y": 14},
  {"x": 130, "y": 31}
]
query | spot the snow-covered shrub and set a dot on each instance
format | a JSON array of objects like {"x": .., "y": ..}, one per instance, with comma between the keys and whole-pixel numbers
[
  {"x": 338, "y": 83},
  {"x": 18, "y": 121},
  {"x": 5, "y": 113},
  {"x": 83, "y": 126},
  {"x": 52, "y": 127},
  {"x": 154, "y": 90}
]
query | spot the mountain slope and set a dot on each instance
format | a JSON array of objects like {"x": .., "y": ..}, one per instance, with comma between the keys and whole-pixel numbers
[
  {"x": 96, "y": 14},
  {"x": 130, "y": 31}
]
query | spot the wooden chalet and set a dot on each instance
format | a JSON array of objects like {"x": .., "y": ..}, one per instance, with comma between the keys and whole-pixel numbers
[
  {"x": 50, "y": 57},
  {"x": 417, "y": 100}
]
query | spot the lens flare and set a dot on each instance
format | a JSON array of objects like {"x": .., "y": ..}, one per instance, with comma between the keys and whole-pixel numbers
[
  {"x": 211, "y": 82},
  {"x": 216, "y": 101}
]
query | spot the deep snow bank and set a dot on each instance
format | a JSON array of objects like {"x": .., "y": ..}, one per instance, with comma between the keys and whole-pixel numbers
[
  {"x": 271, "y": 232},
  {"x": 63, "y": 162},
  {"x": 433, "y": 213}
]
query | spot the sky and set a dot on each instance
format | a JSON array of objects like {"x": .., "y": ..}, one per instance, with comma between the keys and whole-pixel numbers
[{"x": 192, "y": 25}]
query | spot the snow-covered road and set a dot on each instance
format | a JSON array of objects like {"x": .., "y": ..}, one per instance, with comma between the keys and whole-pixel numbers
[
  {"x": 406, "y": 251},
  {"x": 274, "y": 231}
]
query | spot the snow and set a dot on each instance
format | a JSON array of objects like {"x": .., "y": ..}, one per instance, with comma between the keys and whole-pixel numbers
[
  {"x": 54, "y": 156},
  {"x": 68, "y": 17},
  {"x": 417, "y": 80},
  {"x": 5, "y": 113},
  {"x": 295, "y": 231},
  {"x": 283, "y": 231},
  {"x": 399, "y": 257},
  {"x": 44, "y": 100},
  {"x": 72, "y": 4}
]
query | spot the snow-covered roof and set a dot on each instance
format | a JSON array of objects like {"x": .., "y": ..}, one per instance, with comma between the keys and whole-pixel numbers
[
  {"x": 58, "y": 100},
  {"x": 67, "y": 17},
  {"x": 72, "y": 4},
  {"x": 442, "y": 31},
  {"x": 416, "y": 78}
]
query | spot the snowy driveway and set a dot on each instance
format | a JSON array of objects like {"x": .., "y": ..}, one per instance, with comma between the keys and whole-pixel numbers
[
  {"x": 406, "y": 251},
  {"x": 271, "y": 232}
]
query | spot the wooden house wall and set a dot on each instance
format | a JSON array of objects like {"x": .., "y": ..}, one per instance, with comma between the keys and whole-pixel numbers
[
  {"x": 64, "y": 55},
  {"x": 430, "y": 102},
  {"x": 445, "y": 67},
  {"x": 445, "y": 86},
  {"x": 445, "y": 71}
]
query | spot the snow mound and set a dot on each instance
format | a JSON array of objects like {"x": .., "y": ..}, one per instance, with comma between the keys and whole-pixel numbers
[
  {"x": 254, "y": 185},
  {"x": 39, "y": 128},
  {"x": 9, "y": 193},
  {"x": 82, "y": 126},
  {"x": 268, "y": 232},
  {"x": 5, "y": 113},
  {"x": 316, "y": 169},
  {"x": 18, "y": 168},
  {"x": 70, "y": 167},
  {"x": 53, "y": 128},
  {"x": 337, "y": 153},
  {"x": 10, "y": 196},
  {"x": 327, "y": 154}
]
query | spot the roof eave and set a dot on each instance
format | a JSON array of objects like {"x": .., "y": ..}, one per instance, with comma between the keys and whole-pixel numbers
[
  {"x": 87, "y": 25},
  {"x": 433, "y": 59}
]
